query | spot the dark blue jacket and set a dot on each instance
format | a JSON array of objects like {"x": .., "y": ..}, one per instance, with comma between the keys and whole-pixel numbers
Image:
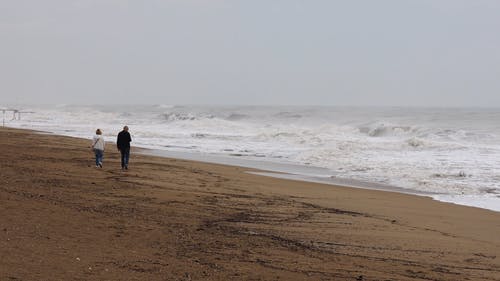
[{"x": 123, "y": 140}]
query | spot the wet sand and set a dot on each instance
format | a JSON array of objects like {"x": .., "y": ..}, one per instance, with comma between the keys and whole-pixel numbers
[{"x": 169, "y": 219}]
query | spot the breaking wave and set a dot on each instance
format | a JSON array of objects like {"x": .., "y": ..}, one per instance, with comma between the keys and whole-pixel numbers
[
  {"x": 184, "y": 116},
  {"x": 421, "y": 149}
]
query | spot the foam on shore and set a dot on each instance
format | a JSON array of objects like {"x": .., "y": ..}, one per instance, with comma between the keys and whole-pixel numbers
[{"x": 322, "y": 175}]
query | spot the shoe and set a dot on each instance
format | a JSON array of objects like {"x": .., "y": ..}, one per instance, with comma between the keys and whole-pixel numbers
[
  {"x": 100, "y": 165},
  {"x": 126, "y": 167}
]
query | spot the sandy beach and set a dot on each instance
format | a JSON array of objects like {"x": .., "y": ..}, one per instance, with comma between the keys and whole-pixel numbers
[{"x": 169, "y": 219}]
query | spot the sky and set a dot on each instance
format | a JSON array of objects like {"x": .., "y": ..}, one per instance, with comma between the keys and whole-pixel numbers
[{"x": 258, "y": 52}]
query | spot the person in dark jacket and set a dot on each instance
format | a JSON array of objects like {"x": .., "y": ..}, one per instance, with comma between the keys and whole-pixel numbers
[{"x": 123, "y": 144}]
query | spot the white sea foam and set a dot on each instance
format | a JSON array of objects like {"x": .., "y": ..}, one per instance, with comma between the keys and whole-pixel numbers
[{"x": 451, "y": 152}]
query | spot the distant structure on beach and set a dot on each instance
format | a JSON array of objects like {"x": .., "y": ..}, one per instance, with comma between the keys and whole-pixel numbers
[{"x": 16, "y": 114}]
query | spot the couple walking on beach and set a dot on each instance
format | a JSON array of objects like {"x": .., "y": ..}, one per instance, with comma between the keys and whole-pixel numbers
[{"x": 122, "y": 143}]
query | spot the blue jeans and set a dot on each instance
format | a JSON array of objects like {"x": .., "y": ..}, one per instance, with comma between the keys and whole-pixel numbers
[
  {"x": 125, "y": 156},
  {"x": 99, "y": 154}
]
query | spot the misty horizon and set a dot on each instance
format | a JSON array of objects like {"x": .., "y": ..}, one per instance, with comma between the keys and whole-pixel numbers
[{"x": 291, "y": 53}]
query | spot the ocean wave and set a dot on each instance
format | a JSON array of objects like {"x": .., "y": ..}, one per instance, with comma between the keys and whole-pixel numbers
[
  {"x": 164, "y": 106},
  {"x": 415, "y": 142},
  {"x": 460, "y": 174},
  {"x": 236, "y": 117},
  {"x": 288, "y": 114},
  {"x": 199, "y": 135},
  {"x": 405, "y": 148},
  {"x": 174, "y": 116},
  {"x": 384, "y": 130}
]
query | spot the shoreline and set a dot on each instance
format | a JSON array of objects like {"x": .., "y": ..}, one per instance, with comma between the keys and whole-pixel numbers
[
  {"x": 290, "y": 171},
  {"x": 310, "y": 174},
  {"x": 313, "y": 175},
  {"x": 470, "y": 195},
  {"x": 269, "y": 168},
  {"x": 183, "y": 220}
]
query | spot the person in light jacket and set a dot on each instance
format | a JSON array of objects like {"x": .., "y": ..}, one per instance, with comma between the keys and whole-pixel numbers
[{"x": 98, "y": 147}]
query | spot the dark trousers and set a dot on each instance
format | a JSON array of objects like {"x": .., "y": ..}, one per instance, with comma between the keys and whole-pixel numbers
[{"x": 125, "y": 152}]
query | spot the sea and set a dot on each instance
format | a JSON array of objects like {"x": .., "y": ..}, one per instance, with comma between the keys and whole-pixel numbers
[{"x": 450, "y": 154}]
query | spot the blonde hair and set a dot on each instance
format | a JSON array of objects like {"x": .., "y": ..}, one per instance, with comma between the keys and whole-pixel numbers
[{"x": 98, "y": 132}]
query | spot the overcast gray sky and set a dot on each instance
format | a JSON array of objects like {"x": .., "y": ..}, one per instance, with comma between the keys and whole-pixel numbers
[{"x": 311, "y": 52}]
